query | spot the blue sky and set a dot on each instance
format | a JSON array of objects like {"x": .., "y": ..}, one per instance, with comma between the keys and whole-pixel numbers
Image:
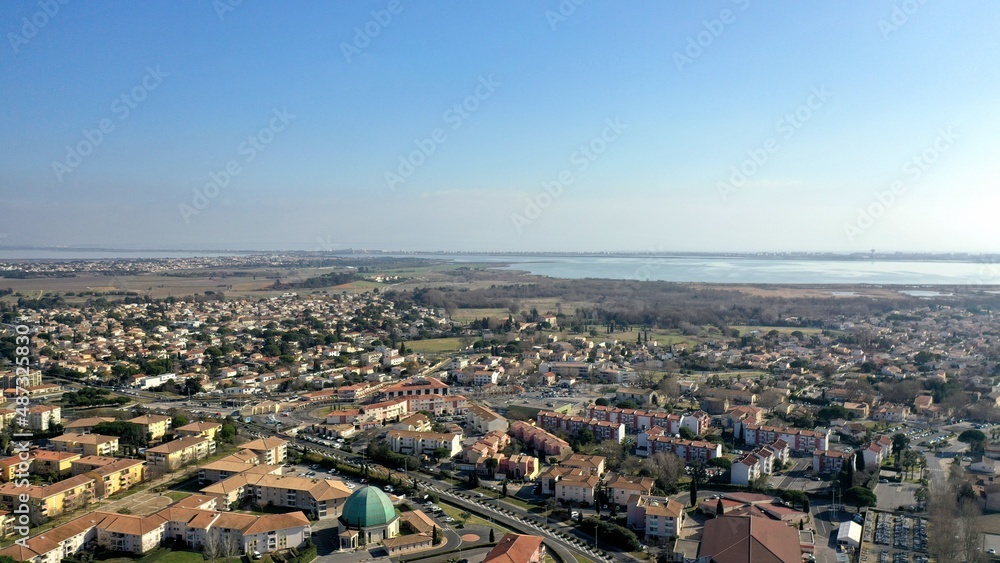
[{"x": 834, "y": 100}]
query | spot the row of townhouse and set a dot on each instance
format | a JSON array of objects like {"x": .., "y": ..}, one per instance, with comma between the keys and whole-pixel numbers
[
  {"x": 657, "y": 440},
  {"x": 540, "y": 440},
  {"x": 192, "y": 521},
  {"x": 636, "y": 421},
  {"x": 572, "y": 425},
  {"x": 360, "y": 392},
  {"x": 415, "y": 387},
  {"x": 420, "y": 443},
  {"x": 803, "y": 441}
]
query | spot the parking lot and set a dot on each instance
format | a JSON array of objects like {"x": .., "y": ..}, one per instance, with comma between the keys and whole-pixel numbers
[{"x": 893, "y": 538}]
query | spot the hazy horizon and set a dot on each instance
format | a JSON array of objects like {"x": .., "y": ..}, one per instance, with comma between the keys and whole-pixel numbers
[{"x": 724, "y": 126}]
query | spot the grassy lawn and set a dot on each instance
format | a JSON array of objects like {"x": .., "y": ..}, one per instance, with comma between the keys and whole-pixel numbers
[
  {"x": 582, "y": 559},
  {"x": 164, "y": 555},
  {"x": 473, "y": 519},
  {"x": 518, "y": 502},
  {"x": 466, "y": 315},
  {"x": 435, "y": 345},
  {"x": 176, "y": 495}
]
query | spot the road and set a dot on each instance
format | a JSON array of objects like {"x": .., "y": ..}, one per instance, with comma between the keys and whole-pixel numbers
[{"x": 565, "y": 541}]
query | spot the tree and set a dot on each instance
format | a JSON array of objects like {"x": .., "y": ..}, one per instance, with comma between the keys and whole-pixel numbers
[
  {"x": 859, "y": 462},
  {"x": 127, "y": 432},
  {"x": 493, "y": 537},
  {"x": 943, "y": 531},
  {"x": 602, "y": 402},
  {"x": 666, "y": 468},
  {"x": 492, "y": 464},
  {"x": 846, "y": 476},
  {"x": 694, "y": 492},
  {"x": 503, "y": 488},
  {"x": 721, "y": 462},
  {"x": 687, "y": 433},
  {"x": 210, "y": 545},
  {"x": 860, "y": 496},
  {"x": 770, "y": 399},
  {"x": 230, "y": 546},
  {"x": 719, "y": 508},
  {"x": 974, "y": 438},
  {"x": 178, "y": 421},
  {"x": 585, "y": 436},
  {"x": 436, "y": 536},
  {"x": 473, "y": 480},
  {"x": 550, "y": 505},
  {"x": 227, "y": 434},
  {"x": 899, "y": 443}
]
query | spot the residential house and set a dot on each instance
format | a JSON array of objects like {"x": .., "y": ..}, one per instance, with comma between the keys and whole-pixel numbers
[
  {"x": 657, "y": 517},
  {"x": 621, "y": 488}
]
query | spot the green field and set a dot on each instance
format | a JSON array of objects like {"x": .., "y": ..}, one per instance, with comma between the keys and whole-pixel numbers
[
  {"x": 781, "y": 329},
  {"x": 435, "y": 345}
]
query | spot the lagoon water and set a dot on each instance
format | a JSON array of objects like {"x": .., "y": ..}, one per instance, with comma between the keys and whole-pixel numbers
[
  {"x": 711, "y": 269},
  {"x": 707, "y": 269}
]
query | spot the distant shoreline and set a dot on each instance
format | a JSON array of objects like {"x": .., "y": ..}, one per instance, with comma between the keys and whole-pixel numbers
[{"x": 135, "y": 254}]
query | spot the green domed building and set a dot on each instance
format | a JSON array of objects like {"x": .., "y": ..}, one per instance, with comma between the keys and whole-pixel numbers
[{"x": 368, "y": 517}]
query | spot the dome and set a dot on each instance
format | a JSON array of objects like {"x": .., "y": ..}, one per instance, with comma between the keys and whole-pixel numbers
[{"x": 367, "y": 507}]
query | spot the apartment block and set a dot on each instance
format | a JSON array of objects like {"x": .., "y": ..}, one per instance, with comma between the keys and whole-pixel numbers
[
  {"x": 419, "y": 443},
  {"x": 178, "y": 453},
  {"x": 86, "y": 444}
]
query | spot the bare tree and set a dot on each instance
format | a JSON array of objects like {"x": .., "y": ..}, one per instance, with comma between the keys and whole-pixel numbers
[
  {"x": 230, "y": 545},
  {"x": 944, "y": 526},
  {"x": 770, "y": 399},
  {"x": 665, "y": 468},
  {"x": 970, "y": 516},
  {"x": 210, "y": 545}
]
